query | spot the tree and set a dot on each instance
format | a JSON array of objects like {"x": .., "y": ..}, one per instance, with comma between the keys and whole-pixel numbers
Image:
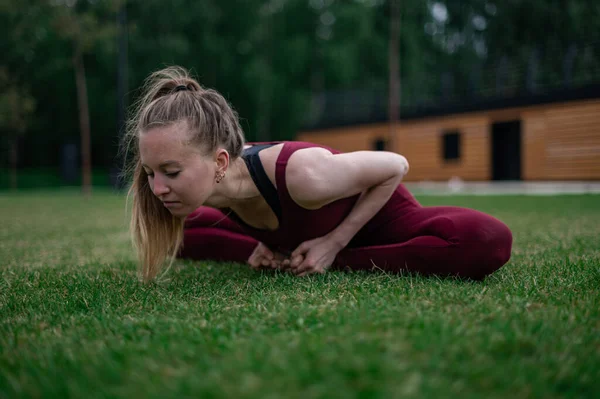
[
  {"x": 16, "y": 108},
  {"x": 80, "y": 24},
  {"x": 17, "y": 103}
]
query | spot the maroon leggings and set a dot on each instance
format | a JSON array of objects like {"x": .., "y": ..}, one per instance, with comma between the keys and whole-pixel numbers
[{"x": 440, "y": 240}]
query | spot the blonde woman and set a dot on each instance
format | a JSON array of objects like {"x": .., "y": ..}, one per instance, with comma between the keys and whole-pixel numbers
[{"x": 199, "y": 191}]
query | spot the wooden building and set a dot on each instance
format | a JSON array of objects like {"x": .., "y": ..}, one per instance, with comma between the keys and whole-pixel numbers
[{"x": 552, "y": 138}]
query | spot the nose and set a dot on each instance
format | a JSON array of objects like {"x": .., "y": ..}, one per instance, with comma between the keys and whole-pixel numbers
[{"x": 159, "y": 187}]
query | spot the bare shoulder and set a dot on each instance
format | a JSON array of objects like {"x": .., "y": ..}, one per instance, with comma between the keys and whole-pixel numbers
[
  {"x": 303, "y": 175},
  {"x": 300, "y": 166},
  {"x": 312, "y": 156},
  {"x": 301, "y": 172}
]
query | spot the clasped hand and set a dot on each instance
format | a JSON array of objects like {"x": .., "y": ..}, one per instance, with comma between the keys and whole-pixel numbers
[{"x": 313, "y": 256}]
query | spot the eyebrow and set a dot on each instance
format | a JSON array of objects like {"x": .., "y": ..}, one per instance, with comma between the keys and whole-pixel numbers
[{"x": 162, "y": 165}]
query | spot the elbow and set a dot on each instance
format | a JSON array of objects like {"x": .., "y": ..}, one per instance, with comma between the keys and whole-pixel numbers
[
  {"x": 403, "y": 165},
  {"x": 399, "y": 169}
]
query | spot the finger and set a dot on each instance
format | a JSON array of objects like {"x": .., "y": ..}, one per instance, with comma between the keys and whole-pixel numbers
[
  {"x": 299, "y": 268},
  {"x": 311, "y": 268},
  {"x": 255, "y": 256},
  {"x": 280, "y": 264},
  {"x": 267, "y": 253},
  {"x": 259, "y": 264},
  {"x": 296, "y": 261},
  {"x": 304, "y": 272},
  {"x": 303, "y": 267},
  {"x": 264, "y": 253},
  {"x": 275, "y": 264},
  {"x": 302, "y": 248},
  {"x": 265, "y": 262},
  {"x": 252, "y": 261},
  {"x": 286, "y": 265},
  {"x": 262, "y": 250}
]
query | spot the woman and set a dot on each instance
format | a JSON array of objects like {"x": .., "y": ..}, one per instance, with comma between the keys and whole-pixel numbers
[{"x": 294, "y": 206}]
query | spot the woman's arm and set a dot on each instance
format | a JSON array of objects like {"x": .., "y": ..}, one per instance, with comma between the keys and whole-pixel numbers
[{"x": 316, "y": 178}]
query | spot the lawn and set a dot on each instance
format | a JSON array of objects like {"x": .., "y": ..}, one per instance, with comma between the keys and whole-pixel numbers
[{"x": 75, "y": 321}]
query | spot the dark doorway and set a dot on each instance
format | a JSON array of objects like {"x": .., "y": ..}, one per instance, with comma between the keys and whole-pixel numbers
[
  {"x": 379, "y": 145},
  {"x": 506, "y": 150}
]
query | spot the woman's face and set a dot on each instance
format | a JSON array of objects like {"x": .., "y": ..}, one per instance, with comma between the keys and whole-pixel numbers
[{"x": 178, "y": 174}]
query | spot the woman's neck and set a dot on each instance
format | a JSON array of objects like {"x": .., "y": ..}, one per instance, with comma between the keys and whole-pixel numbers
[{"x": 236, "y": 190}]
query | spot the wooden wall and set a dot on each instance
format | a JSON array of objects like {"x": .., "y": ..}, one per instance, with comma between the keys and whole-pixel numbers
[
  {"x": 571, "y": 142},
  {"x": 559, "y": 141},
  {"x": 421, "y": 143}
]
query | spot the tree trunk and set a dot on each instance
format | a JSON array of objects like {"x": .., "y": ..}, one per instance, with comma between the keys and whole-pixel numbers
[
  {"x": 84, "y": 123},
  {"x": 13, "y": 162},
  {"x": 394, "y": 73}
]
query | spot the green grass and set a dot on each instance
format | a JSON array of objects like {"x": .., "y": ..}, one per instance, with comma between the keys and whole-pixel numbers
[{"x": 75, "y": 321}]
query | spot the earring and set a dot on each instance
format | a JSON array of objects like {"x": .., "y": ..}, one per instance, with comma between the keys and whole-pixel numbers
[{"x": 220, "y": 176}]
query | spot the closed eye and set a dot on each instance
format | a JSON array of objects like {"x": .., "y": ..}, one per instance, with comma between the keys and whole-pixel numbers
[{"x": 172, "y": 175}]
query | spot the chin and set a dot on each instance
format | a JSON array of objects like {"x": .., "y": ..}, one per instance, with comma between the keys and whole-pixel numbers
[{"x": 180, "y": 213}]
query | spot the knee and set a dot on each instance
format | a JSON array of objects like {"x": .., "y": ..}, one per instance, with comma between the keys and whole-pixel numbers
[
  {"x": 202, "y": 217},
  {"x": 495, "y": 248},
  {"x": 489, "y": 242},
  {"x": 210, "y": 217}
]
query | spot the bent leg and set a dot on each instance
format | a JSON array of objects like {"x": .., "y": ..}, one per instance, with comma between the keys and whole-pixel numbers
[
  {"x": 211, "y": 217},
  {"x": 209, "y": 234},
  {"x": 446, "y": 241}
]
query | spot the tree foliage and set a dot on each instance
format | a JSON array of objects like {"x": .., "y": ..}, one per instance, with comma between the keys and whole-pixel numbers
[{"x": 272, "y": 58}]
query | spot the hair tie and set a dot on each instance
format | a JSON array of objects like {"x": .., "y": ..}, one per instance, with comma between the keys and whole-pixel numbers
[{"x": 180, "y": 88}]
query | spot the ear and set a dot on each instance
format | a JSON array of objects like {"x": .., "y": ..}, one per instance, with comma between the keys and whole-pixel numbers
[{"x": 222, "y": 159}]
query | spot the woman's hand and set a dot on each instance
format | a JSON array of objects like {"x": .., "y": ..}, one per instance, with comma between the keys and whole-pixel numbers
[
  {"x": 314, "y": 256},
  {"x": 263, "y": 258}
]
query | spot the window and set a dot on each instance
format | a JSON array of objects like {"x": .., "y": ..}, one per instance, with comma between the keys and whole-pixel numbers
[
  {"x": 379, "y": 145},
  {"x": 451, "y": 146}
]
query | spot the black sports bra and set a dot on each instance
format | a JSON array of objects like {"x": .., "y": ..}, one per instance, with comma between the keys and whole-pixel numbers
[{"x": 260, "y": 178}]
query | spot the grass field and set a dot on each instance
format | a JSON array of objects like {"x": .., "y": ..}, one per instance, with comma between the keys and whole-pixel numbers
[{"x": 75, "y": 321}]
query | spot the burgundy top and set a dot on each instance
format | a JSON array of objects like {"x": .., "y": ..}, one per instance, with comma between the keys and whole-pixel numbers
[{"x": 297, "y": 224}]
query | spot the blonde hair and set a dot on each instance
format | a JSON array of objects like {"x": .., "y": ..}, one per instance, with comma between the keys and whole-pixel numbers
[{"x": 171, "y": 96}]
